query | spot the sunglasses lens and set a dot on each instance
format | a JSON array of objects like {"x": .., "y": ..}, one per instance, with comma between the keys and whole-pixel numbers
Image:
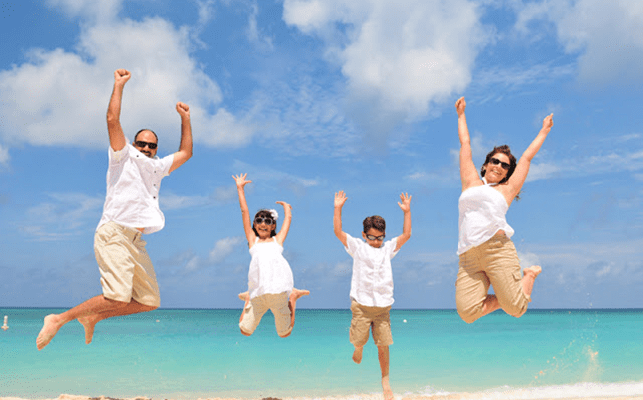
[{"x": 142, "y": 144}]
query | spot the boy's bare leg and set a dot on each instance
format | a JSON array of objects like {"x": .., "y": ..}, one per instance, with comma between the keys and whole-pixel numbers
[
  {"x": 383, "y": 356},
  {"x": 53, "y": 322},
  {"x": 529, "y": 277},
  {"x": 89, "y": 322},
  {"x": 357, "y": 354}
]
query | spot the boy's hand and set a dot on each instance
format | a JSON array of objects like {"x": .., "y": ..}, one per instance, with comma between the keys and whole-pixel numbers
[
  {"x": 405, "y": 205},
  {"x": 340, "y": 199},
  {"x": 121, "y": 76},
  {"x": 240, "y": 180},
  {"x": 548, "y": 122}
]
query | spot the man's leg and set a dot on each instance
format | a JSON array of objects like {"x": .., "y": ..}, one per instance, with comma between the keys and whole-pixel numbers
[
  {"x": 90, "y": 321},
  {"x": 383, "y": 356}
]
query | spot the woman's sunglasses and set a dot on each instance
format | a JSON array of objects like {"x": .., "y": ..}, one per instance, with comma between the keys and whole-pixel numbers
[
  {"x": 504, "y": 165},
  {"x": 267, "y": 221}
]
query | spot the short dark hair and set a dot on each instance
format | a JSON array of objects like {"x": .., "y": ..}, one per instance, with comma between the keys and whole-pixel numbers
[
  {"x": 376, "y": 222},
  {"x": 145, "y": 129},
  {"x": 263, "y": 214},
  {"x": 504, "y": 149}
]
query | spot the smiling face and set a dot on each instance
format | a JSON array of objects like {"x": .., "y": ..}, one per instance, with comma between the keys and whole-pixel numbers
[
  {"x": 143, "y": 138},
  {"x": 264, "y": 225},
  {"x": 497, "y": 168},
  {"x": 374, "y": 237}
]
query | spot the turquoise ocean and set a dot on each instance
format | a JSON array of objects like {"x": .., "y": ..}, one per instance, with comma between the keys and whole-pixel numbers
[{"x": 190, "y": 354}]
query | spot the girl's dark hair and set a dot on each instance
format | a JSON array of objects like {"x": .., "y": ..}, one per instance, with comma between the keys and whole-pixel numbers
[
  {"x": 263, "y": 214},
  {"x": 504, "y": 149},
  {"x": 376, "y": 222}
]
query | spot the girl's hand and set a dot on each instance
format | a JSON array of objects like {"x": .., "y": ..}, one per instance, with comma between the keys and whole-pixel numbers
[
  {"x": 340, "y": 199},
  {"x": 460, "y": 106},
  {"x": 240, "y": 180},
  {"x": 285, "y": 205},
  {"x": 405, "y": 205},
  {"x": 548, "y": 122}
]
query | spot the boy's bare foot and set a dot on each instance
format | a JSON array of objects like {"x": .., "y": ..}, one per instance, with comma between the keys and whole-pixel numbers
[
  {"x": 49, "y": 329},
  {"x": 388, "y": 393},
  {"x": 534, "y": 270},
  {"x": 88, "y": 323},
  {"x": 243, "y": 296},
  {"x": 357, "y": 355}
]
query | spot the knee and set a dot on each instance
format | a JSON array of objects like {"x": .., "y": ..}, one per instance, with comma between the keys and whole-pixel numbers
[
  {"x": 517, "y": 312},
  {"x": 470, "y": 314}
]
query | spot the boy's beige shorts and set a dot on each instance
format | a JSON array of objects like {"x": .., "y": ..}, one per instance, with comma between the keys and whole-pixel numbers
[
  {"x": 364, "y": 317},
  {"x": 126, "y": 271}
]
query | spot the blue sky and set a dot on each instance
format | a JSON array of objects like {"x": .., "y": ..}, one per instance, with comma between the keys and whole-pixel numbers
[{"x": 312, "y": 97}]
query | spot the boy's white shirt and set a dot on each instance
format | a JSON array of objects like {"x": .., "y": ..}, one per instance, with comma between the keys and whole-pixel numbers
[{"x": 372, "y": 281}]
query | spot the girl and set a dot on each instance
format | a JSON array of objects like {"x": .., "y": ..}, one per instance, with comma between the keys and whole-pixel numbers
[
  {"x": 270, "y": 281},
  {"x": 487, "y": 255}
]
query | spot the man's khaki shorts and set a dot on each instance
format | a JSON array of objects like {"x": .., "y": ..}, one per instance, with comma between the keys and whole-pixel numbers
[
  {"x": 364, "y": 317},
  {"x": 125, "y": 268},
  {"x": 258, "y": 306}
]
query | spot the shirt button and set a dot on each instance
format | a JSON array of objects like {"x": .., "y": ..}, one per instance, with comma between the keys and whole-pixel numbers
[{"x": 154, "y": 197}]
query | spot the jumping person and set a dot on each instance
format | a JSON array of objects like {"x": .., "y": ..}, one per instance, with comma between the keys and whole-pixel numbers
[
  {"x": 487, "y": 254},
  {"x": 131, "y": 209}
]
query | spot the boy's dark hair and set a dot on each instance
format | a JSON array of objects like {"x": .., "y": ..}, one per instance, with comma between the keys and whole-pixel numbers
[
  {"x": 263, "y": 214},
  {"x": 376, "y": 222}
]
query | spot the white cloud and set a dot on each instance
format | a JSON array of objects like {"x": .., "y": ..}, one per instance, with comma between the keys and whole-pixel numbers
[
  {"x": 4, "y": 155},
  {"x": 270, "y": 174},
  {"x": 224, "y": 247},
  {"x": 60, "y": 97},
  {"x": 254, "y": 33},
  {"x": 398, "y": 57},
  {"x": 606, "y": 35}
]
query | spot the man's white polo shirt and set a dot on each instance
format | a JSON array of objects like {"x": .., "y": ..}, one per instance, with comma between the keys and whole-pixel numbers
[{"x": 133, "y": 184}]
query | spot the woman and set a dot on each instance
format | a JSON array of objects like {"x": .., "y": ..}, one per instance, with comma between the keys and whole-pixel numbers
[{"x": 487, "y": 254}]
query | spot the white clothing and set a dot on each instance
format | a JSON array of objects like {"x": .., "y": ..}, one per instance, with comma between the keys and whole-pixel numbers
[
  {"x": 482, "y": 214},
  {"x": 133, "y": 184},
  {"x": 269, "y": 271},
  {"x": 372, "y": 282}
]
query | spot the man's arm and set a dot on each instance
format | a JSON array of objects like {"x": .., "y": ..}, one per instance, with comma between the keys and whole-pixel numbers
[
  {"x": 185, "y": 149},
  {"x": 405, "y": 205},
  {"x": 340, "y": 199},
  {"x": 116, "y": 137}
]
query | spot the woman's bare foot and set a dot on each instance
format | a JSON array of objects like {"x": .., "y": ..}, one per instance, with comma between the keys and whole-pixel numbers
[
  {"x": 357, "y": 355},
  {"x": 50, "y": 327},
  {"x": 534, "y": 270},
  {"x": 89, "y": 323},
  {"x": 297, "y": 293}
]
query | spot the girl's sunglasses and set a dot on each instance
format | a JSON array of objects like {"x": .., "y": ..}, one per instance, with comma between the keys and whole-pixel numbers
[
  {"x": 267, "y": 221},
  {"x": 371, "y": 237},
  {"x": 504, "y": 165}
]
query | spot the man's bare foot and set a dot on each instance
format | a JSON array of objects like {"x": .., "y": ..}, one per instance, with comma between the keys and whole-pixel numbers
[
  {"x": 243, "y": 296},
  {"x": 49, "y": 329},
  {"x": 297, "y": 293},
  {"x": 534, "y": 270},
  {"x": 88, "y": 323},
  {"x": 357, "y": 355},
  {"x": 388, "y": 393}
]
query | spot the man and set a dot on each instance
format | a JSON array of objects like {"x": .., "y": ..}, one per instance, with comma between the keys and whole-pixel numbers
[{"x": 131, "y": 209}]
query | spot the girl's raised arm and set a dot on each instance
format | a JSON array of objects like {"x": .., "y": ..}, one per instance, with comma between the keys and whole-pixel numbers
[
  {"x": 241, "y": 181},
  {"x": 468, "y": 174},
  {"x": 285, "y": 226},
  {"x": 522, "y": 168}
]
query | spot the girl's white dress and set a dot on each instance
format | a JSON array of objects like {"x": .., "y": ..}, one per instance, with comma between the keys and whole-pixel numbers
[{"x": 269, "y": 271}]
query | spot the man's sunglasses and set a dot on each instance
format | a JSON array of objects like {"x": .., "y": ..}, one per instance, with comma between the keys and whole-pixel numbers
[
  {"x": 142, "y": 144},
  {"x": 371, "y": 237},
  {"x": 267, "y": 221},
  {"x": 504, "y": 165}
]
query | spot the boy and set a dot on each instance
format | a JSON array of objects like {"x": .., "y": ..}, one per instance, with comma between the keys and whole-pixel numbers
[{"x": 372, "y": 281}]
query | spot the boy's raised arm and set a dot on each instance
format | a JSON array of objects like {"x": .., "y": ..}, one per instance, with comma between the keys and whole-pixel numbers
[
  {"x": 340, "y": 199},
  {"x": 405, "y": 205}
]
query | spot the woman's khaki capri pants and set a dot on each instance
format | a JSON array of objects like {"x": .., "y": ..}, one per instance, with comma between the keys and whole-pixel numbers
[{"x": 496, "y": 263}]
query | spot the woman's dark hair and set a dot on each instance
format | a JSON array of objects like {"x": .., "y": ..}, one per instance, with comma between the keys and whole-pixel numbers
[
  {"x": 263, "y": 214},
  {"x": 504, "y": 149}
]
